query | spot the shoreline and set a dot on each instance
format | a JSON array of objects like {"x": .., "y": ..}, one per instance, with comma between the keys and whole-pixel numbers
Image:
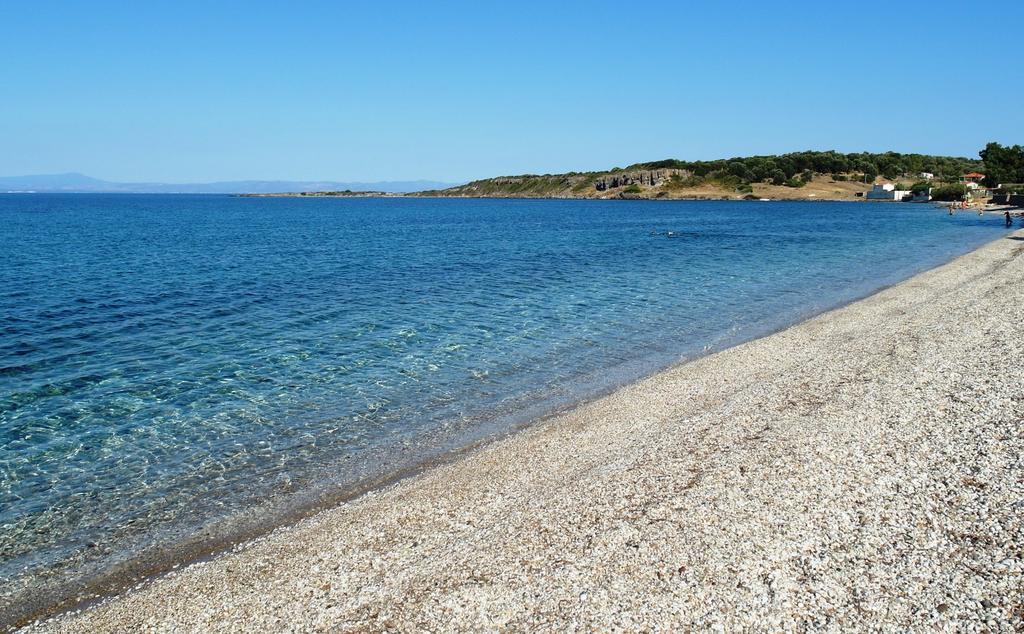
[
  {"x": 1015, "y": 211},
  {"x": 695, "y": 198},
  {"x": 219, "y": 537},
  {"x": 207, "y": 540},
  {"x": 468, "y": 460}
]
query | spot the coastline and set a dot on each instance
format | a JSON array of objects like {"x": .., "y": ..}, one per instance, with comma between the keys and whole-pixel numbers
[
  {"x": 679, "y": 198},
  {"x": 1014, "y": 211},
  {"x": 485, "y": 513}
]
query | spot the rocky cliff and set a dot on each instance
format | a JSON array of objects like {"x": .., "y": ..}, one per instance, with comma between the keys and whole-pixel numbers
[{"x": 649, "y": 178}]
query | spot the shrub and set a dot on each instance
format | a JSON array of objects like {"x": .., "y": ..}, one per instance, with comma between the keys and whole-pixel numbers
[
  {"x": 725, "y": 180},
  {"x": 952, "y": 191},
  {"x": 678, "y": 181}
]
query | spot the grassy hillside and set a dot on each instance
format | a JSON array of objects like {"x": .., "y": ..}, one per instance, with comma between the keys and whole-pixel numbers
[
  {"x": 526, "y": 186},
  {"x": 798, "y": 175}
]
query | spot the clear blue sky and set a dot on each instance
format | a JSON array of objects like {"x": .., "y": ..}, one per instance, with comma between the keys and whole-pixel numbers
[{"x": 199, "y": 91}]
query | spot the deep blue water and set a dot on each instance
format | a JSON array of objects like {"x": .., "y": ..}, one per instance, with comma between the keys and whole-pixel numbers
[{"x": 167, "y": 361}]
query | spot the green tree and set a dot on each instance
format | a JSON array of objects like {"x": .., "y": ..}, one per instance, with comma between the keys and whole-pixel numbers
[
  {"x": 1003, "y": 164},
  {"x": 740, "y": 170}
]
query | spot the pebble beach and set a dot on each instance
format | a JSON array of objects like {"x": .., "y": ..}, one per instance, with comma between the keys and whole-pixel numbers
[{"x": 862, "y": 470}]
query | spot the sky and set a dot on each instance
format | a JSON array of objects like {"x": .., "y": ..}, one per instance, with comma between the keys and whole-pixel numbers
[{"x": 452, "y": 91}]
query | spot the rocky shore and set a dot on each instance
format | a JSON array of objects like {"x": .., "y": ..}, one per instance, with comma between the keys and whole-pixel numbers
[{"x": 861, "y": 470}]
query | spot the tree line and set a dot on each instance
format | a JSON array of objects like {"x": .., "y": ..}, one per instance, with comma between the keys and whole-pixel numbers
[
  {"x": 1004, "y": 164},
  {"x": 1001, "y": 164},
  {"x": 796, "y": 168}
]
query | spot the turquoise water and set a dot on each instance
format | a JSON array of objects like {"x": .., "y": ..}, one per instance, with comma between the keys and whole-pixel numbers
[{"x": 169, "y": 363}]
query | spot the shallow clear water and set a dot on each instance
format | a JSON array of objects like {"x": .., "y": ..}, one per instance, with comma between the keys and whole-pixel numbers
[{"x": 166, "y": 361}]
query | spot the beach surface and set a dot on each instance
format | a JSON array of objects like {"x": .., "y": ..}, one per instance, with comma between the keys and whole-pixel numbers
[{"x": 862, "y": 469}]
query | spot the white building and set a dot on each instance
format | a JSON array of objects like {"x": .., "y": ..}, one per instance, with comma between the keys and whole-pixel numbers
[
  {"x": 887, "y": 191},
  {"x": 927, "y": 176}
]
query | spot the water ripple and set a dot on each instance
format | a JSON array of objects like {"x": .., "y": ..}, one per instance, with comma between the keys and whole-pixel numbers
[{"x": 169, "y": 360}]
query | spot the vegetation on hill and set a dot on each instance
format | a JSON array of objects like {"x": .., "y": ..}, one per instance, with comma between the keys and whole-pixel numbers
[
  {"x": 527, "y": 185},
  {"x": 796, "y": 166},
  {"x": 738, "y": 175}
]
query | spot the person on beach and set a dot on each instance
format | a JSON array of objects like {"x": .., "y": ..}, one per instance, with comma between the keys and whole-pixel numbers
[{"x": 1009, "y": 220}]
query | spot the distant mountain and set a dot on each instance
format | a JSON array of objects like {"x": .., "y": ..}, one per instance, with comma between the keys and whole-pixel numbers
[
  {"x": 51, "y": 182},
  {"x": 79, "y": 183}
]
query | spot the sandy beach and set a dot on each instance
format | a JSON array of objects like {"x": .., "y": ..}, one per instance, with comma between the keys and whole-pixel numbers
[{"x": 860, "y": 470}]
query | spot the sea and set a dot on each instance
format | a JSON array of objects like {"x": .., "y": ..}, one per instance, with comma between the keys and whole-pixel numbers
[{"x": 178, "y": 372}]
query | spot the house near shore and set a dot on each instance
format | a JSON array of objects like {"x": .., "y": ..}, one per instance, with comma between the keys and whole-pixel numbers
[
  {"x": 887, "y": 191},
  {"x": 928, "y": 176},
  {"x": 972, "y": 180}
]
